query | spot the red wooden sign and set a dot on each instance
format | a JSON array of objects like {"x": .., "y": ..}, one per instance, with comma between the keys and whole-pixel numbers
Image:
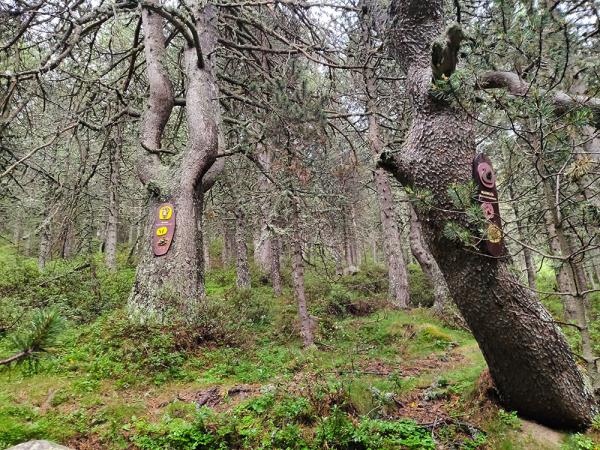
[
  {"x": 163, "y": 229},
  {"x": 487, "y": 196}
]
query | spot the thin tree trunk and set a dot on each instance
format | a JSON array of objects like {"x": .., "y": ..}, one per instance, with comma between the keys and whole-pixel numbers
[
  {"x": 263, "y": 242},
  {"x": 45, "y": 247},
  {"x": 110, "y": 243},
  {"x": 276, "y": 266},
  {"x": 228, "y": 254},
  {"x": 564, "y": 280},
  {"x": 398, "y": 292},
  {"x": 306, "y": 321},
  {"x": 529, "y": 266},
  {"x": 243, "y": 271},
  {"x": 441, "y": 293},
  {"x": 398, "y": 275},
  {"x": 528, "y": 357},
  {"x": 45, "y": 243}
]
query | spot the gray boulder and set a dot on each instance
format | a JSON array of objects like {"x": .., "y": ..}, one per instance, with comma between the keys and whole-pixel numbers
[{"x": 39, "y": 445}]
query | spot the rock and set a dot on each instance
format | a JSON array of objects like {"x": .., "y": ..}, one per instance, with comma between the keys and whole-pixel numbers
[
  {"x": 39, "y": 445},
  {"x": 542, "y": 437}
]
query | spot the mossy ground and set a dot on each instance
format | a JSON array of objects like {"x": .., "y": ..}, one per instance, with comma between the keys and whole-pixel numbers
[{"x": 377, "y": 377}]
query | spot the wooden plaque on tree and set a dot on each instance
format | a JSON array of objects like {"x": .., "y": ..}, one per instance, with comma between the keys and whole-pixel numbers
[
  {"x": 487, "y": 196},
  {"x": 163, "y": 229}
]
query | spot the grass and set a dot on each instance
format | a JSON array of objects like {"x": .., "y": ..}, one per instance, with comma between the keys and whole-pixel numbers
[{"x": 369, "y": 382}]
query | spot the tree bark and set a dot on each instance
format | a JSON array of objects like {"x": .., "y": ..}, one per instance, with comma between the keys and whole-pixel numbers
[
  {"x": 398, "y": 292},
  {"x": 564, "y": 278},
  {"x": 306, "y": 321},
  {"x": 276, "y": 266},
  {"x": 110, "y": 243},
  {"x": 206, "y": 251},
  {"x": 45, "y": 248},
  {"x": 527, "y": 256},
  {"x": 350, "y": 241},
  {"x": 263, "y": 252},
  {"x": 528, "y": 357},
  {"x": 243, "y": 271},
  {"x": 441, "y": 293},
  {"x": 228, "y": 254},
  {"x": 170, "y": 286},
  {"x": 398, "y": 275}
]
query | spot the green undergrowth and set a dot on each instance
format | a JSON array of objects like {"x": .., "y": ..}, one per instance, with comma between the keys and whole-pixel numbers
[{"x": 113, "y": 384}]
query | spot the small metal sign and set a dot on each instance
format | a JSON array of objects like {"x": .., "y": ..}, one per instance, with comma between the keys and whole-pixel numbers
[
  {"x": 163, "y": 229},
  {"x": 487, "y": 196}
]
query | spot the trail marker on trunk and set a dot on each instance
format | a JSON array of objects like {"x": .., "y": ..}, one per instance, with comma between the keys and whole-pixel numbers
[
  {"x": 487, "y": 196},
  {"x": 163, "y": 229}
]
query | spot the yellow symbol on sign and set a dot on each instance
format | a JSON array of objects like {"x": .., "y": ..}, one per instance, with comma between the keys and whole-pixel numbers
[
  {"x": 494, "y": 233},
  {"x": 161, "y": 231},
  {"x": 165, "y": 213}
]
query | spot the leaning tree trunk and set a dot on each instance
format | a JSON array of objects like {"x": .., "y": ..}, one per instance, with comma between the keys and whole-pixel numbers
[
  {"x": 528, "y": 357},
  {"x": 441, "y": 293},
  {"x": 169, "y": 286}
]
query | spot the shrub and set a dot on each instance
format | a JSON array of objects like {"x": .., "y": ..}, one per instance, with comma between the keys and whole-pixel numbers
[
  {"x": 338, "y": 431},
  {"x": 250, "y": 306},
  {"x": 298, "y": 410},
  {"x": 335, "y": 430},
  {"x": 370, "y": 280},
  {"x": 420, "y": 288},
  {"x": 290, "y": 438}
]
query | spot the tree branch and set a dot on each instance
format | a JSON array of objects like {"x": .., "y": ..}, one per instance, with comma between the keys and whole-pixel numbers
[{"x": 517, "y": 86}]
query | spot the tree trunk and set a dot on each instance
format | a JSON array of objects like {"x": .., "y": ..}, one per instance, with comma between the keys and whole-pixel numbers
[
  {"x": 349, "y": 243},
  {"x": 206, "y": 251},
  {"x": 527, "y": 256},
  {"x": 208, "y": 181},
  {"x": 110, "y": 243},
  {"x": 228, "y": 254},
  {"x": 564, "y": 279},
  {"x": 398, "y": 293},
  {"x": 398, "y": 275},
  {"x": 243, "y": 271},
  {"x": 45, "y": 249},
  {"x": 276, "y": 266},
  {"x": 419, "y": 249},
  {"x": 306, "y": 321},
  {"x": 263, "y": 242},
  {"x": 170, "y": 286},
  {"x": 528, "y": 357}
]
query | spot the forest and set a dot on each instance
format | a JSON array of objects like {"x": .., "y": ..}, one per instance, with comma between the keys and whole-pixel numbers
[{"x": 299, "y": 224}]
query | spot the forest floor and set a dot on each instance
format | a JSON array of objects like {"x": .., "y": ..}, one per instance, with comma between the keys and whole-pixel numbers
[{"x": 376, "y": 378}]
